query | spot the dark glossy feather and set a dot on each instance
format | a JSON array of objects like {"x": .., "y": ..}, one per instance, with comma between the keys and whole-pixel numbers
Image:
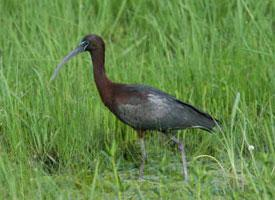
[{"x": 146, "y": 108}]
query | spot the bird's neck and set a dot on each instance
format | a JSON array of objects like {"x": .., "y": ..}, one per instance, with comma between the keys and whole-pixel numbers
[{"x": 103, "y": 84}]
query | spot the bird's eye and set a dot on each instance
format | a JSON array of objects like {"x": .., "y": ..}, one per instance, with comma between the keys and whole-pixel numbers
[{"x": 84, "y": 44}]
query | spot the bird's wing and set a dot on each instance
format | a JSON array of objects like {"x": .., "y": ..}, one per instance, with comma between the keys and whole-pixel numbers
[{"x": 147, "y": 108}]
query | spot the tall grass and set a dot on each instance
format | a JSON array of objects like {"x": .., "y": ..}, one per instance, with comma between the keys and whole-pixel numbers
[{"x": 58, "y": 141}]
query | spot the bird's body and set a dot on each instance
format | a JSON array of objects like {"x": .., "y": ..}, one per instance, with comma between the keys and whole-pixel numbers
[
  {"x": 145, "y": 108},
  {"x": 139, "y": 106}
]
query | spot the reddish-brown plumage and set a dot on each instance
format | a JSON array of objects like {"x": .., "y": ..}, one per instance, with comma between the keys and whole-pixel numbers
[
  {"x": 111, "y": 93},
  {"x": 141, "y": 107},
  {"x": 104, "y": 86}
]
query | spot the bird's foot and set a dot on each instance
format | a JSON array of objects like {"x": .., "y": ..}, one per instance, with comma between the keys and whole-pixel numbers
[
  {"x": 141, "y": 172},
  {"x": 185, "y": 179},
  {"x": 141, "y": 178}
]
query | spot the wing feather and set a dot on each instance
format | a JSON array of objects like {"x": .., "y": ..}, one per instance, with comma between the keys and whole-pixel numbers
[{"x": 151, "y": 109}]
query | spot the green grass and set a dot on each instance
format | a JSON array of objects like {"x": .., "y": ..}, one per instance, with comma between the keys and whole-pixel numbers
[{"x": 58, "y": 141}]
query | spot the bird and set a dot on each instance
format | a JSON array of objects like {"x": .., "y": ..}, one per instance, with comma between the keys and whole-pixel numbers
[{"x": 142, "y": 107}]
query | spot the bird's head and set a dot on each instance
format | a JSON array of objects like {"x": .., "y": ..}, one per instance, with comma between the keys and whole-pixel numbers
[
  {"x": 92, "y": 42},
  {"x": 89, "y": 43}
]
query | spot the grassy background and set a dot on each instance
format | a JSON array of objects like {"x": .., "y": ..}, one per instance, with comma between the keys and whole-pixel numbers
[{"x": 58, "y": 141}]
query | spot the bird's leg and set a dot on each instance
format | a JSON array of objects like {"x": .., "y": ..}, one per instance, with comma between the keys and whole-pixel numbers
[
  {"x": 183, "y": 157},
  {"x": 141, "y": 135}
]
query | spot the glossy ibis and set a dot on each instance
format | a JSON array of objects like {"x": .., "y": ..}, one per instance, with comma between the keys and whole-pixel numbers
[{"x": 141, "y": 107}]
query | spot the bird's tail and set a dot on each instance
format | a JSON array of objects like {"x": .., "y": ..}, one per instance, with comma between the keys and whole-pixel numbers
[
  {"x": 200, "y": 119},
  {"x": 211, "y": 126},
  {"x": 205, "y": 121}
]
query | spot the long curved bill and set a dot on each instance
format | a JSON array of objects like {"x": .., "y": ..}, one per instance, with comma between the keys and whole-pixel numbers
[{"x": 73, "y": 53}]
